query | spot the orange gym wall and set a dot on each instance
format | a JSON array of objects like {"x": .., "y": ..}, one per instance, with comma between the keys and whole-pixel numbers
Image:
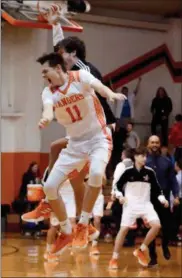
[{"x": 13, "y": 165}]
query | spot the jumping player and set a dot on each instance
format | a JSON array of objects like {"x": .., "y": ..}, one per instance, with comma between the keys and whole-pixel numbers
[{"x": 78, "y": 109}]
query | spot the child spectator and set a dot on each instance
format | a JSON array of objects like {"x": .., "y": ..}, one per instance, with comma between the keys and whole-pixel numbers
[{"x": 132, "y": 140}]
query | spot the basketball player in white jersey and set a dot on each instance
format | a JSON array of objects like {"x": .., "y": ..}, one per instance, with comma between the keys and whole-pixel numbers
[
  {"x": 77, "y": 108},
  {"x": 74, "y": 53},
  {"x": 67, "y": 194}
]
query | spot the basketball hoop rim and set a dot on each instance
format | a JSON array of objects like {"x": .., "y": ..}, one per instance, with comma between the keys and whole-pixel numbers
[{"x": 38, "y": 25}]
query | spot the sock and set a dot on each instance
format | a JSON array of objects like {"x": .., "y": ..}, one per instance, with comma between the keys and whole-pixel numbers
[
  {"x": 94, "y": 243},
  {"x": 115, "y": 255},
  {"x": 143, "y": 247},
  {"x": 49, "y": 247},
  {"x": 66, "y": 227},
  {"x": 85, "y": 217},
  {"x": 46, "y": 200}
]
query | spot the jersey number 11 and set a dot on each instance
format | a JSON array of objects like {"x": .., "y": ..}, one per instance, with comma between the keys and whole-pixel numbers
[{"x": 74, "y": 113}]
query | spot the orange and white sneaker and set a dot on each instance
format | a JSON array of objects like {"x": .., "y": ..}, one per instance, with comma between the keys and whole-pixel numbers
[
  {"x": 50, "y": 257},
  {"x": 38, "y": 214},
  {"x": 93, "y": 233},
  {"x": 94, "y": 251},
  {"x": 141, "y": 256},
  {"x": 113, "y": 264},
  {"x": 80, "y": 240},
  {"x": 62, "y": 243}
]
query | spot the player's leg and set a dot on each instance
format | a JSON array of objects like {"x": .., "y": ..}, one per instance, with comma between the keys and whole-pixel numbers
[
  {"x": 152, "y": 218},
  {"x": 55, "y": 149},
  {"x": 99, "y": 155},
  {"x": 98, "y": 212},
  {"x": 79, "y": 189},
  {"x": 51, "y": 238},
  {"x": 128, "y": 219},
  {"x": 77, "y": 182}
]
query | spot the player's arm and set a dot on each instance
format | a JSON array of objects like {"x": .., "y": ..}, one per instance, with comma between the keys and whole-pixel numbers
[
  {"x": 99, "y": 87},
  {"x": 48, "y": 112},
  {"x": 156, "y": 190},
  {"x": 53, "y": 17},
  {"x": 57, "y": 33},
  {"x": 120, "y": 168}
]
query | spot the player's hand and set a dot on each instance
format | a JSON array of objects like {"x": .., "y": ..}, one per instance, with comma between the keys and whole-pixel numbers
[
  {"x": 122, "y": 200},
  {"x": 113, "y": 198},
  {"x": 43, "y": 123},
  {"x": 166, "y": 204},
  {"x": 53, "y": 15},
  {"x": 117, "y": 96},
  {"x": 176, "y": 201}
]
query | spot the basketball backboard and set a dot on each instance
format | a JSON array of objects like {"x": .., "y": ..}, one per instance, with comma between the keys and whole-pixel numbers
[{"x": 28, "y": 15}]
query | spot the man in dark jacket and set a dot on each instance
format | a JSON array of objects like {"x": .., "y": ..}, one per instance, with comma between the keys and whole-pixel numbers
[{"x": 166, "y": 176}]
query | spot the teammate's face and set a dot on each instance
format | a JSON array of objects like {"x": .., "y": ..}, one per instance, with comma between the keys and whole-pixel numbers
[
  {"x": 52, "y": 75},
  {"x": 154, "y": 144},
  {"x": 140, "y": 159},
  {"x": 69, "y": 58}
]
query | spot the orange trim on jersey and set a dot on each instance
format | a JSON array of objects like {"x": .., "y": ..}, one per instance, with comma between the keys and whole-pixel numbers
[
  {"x": 76, "y": 75},
  {"x": 101, "y": 119},
  {"x": 70, "y": 80}
]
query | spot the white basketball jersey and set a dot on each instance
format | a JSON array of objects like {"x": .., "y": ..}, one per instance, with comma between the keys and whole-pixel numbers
[{"x": 76, "y": 105}]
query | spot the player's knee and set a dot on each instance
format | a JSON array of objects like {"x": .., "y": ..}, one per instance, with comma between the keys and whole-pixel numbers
[
  {"x": 95, "y": 179},
  {"x": 156, "y": 225},
  {"x": 50, "y": 191},
  {"x": 96, "y": 174}
]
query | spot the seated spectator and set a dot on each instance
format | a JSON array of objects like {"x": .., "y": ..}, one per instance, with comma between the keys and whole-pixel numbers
[
  {"x": 21, "y": 204},
  {"x": 31, "y": 176},
  {"x": 132, "y": 139},
  {"x": 175, "y": 136}
]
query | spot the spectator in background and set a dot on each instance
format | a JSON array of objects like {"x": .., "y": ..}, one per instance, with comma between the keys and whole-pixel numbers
[
  {"x": 165, "y": 152},
  {"x": 164, "y": 170},
  {"x": 31, "y": 176},
  {"x": 132, "y": 140},
  {"x": 175, "y": 136},
  {"x": 125, "y": 109},
  {"x": 177, "y": 210},
  {"x": 21, "y": 204},
  {"x": 161, "y": 108}
]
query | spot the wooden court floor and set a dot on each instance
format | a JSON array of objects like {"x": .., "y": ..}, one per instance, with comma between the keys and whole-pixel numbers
[{"x": 23, "y": 257}]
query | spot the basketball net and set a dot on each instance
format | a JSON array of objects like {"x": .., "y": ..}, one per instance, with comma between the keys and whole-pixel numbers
[{"x": 42, "y": 7}]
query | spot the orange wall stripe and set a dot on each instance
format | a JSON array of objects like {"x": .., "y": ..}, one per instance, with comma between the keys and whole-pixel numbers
[{"x": 13, "y": 166}]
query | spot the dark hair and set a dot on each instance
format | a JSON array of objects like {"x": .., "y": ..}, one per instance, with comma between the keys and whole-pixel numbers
[
  {"x": 140, "y": 151},
  {"x": 53, "y": 60},
  {"x": 128, "y": 153},
  {"x": 130, "y": 123},
  {"x": 29, "y": 171},
  {"x": 179, "y": 163},
  {"x": 161, "y": 88},
  {"x": 178, "y": 118},
  {"x": 72, "y": 44},
  {"x": 124, "y": 88}
]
